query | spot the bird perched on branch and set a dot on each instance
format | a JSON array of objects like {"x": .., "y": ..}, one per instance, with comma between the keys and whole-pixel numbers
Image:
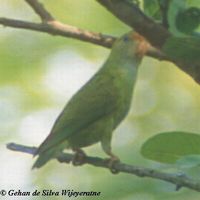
[{"x": 95, "y": 111}]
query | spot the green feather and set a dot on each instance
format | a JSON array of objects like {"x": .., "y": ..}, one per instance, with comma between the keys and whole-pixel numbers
[{"x": 98, "y": 107}]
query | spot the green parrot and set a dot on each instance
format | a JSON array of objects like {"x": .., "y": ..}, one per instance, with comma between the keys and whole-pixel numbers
[{"x": 95, "y": 111}]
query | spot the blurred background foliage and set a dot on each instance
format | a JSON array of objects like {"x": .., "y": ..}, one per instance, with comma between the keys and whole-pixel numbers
[{"x": 38, "y": 75}]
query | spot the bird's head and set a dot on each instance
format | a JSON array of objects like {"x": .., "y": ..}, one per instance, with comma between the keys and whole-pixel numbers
[{"x": 130, "y": 45}]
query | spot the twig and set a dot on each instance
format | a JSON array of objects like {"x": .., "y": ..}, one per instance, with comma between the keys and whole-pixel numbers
[
  {"x": 60, "y": 29},
  {"x": 126, "y": 11},
  {"x": 40, "y": 10},
  {"x": 164, "y": 7},
  {"x": 57, "y": 28},
  {"x": 179, "y": 181}
]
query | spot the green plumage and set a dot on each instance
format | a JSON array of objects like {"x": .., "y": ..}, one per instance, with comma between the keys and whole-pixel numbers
[{"x": 98, "y": 107}]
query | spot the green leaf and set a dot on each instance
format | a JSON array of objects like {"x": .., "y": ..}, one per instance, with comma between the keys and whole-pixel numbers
[
  {"x": 169, "y": 147},
  {"x": 188, "y": 20},
  {"x": 151, "y": 8},
  {"x": 174, "y": 8},
  {"x": 183, "y": 16}
]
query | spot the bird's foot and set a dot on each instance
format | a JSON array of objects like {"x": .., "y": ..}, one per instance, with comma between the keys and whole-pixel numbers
[
  {"x": 112, "y": 161},
  {"x": 79, "y": 157}
]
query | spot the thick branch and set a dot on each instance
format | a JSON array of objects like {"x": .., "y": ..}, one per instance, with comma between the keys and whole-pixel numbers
[
  {"x": 130, "y": 14},
  {"x": 40, "y": 10},
  {"x": 179, "y": 181},
  {"x": 155, "y": 33}
]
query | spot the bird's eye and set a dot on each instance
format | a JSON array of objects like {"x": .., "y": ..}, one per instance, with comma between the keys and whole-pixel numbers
[{"x": 125, "y": 38}]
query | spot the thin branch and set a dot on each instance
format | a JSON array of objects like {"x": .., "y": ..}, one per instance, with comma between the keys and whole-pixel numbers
[
  {"x": 40, "y": 10},
  {"x": 131, "y": 15},
  {"x": 157, "y": 54},
  {"x": 57, "y": 28},
  {"x": 60, "y": 29},
  {"x": 179, "y": 180},
  {"x": 124, "y": 10},
  {"x": 164, "y": 7}
]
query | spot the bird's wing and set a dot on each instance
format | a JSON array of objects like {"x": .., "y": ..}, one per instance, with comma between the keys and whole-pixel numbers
[{"x": 93, "y": 101}]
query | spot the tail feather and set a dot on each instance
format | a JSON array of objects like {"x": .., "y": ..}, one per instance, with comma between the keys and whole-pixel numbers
[
  {"x": 44, "y": 157},
  {"x": 51, "y": 153}
]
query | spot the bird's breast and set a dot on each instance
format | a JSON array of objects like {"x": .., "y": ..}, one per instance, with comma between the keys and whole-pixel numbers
[{"x": 124, "y": 85}]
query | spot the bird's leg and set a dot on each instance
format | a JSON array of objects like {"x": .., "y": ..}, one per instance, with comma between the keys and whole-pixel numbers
[
  {"x": 79, "y": 157},
  {"x": 106, "y": 145},
  {"x": 112, "y": 161}
]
